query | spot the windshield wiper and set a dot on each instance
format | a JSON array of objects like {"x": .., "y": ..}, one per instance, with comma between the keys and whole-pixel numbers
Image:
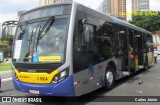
[
  {"x": 42, "y": 31},
  {"x": 45, "y": 28},
  {"x": 30, "y": 41}
]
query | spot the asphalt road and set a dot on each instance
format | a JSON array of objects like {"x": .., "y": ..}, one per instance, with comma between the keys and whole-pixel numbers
[{"x": 127, "y": 86}]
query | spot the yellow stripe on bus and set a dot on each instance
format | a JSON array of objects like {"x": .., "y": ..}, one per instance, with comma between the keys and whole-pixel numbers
[{"x": 36, "y": 78}]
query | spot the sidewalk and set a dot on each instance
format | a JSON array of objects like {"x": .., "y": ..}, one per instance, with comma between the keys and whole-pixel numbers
[
  {"x": 6, "y": 74},
  {"x": 8, "y": 61}
]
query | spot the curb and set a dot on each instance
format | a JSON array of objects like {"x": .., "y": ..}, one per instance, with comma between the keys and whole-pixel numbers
[
  {"x": 4, "y": 72},
  {"x": 6, "y": 79}
]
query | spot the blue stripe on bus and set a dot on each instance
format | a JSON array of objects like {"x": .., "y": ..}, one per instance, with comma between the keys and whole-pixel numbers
[{"x": 64, "y": 88}]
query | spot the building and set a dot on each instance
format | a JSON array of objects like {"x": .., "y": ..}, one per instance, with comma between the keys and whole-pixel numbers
[
  {"x": 105, "y": 6},
  {"x": 9, "y": 27},
  {"x": 140, "y": 5},
  {"x": 44, "y": 2},
  {"x": 116, "y": 8},
  {"x": 11, "y": 30}
]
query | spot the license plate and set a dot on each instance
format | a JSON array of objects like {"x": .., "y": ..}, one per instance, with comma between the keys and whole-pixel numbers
[{"x": 34, "y": 91}]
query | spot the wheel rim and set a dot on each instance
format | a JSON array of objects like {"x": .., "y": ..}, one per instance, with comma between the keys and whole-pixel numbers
[{"x": 109, "y": 77}]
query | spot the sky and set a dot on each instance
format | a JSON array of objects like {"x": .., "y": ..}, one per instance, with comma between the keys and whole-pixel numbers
[{"x": 9, "y": 8}]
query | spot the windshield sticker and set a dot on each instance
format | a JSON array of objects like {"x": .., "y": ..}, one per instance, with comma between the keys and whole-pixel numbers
[
  {"x": 50, "y": 59},
  {"x": 35, "y": 58},
  {"x": 17, "y": 49}
]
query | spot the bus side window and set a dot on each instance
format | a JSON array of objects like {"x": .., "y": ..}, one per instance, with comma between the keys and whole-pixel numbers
[
  {"x": 107, "y": 44},
  {"x": 87, "y": 37}
]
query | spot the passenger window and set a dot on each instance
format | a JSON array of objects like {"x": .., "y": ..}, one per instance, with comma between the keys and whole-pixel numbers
[
  {"x": 90, "y": 29},
  {"x": 106, "y": 33}
]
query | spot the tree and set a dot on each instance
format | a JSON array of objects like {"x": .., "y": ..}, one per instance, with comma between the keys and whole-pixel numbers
[
  {"x": 9, "y": 39},
  {"x": 6, "y": 45},
  {"x": 147, "y": 20}
]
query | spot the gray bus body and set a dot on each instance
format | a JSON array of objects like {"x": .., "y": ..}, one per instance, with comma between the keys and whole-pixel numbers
[
  {"x": 99, "y": 50},
  {"x": 108, "y": 45}
]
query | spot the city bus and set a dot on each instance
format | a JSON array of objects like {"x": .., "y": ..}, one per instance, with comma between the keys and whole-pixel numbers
[{"x": 68, "y": 49}]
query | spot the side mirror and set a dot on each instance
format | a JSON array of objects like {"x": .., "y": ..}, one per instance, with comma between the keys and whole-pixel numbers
[
  {"x": 86, "y": 35},
  {"x": 84, "y": 21}
]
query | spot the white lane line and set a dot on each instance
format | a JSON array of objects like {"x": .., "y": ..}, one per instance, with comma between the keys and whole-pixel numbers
[{"x": 6, "y": 79}]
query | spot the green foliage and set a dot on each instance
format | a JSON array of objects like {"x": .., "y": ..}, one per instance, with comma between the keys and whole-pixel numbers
[
  {"x": 6, "y": 44},
  {"x": 6, "y": 49},
  {"x": 150, "y": 22},
  {"x": 158, "y": 32},
  {"x": 9, "y": 39},
  {"x": 5, "y": 66}
]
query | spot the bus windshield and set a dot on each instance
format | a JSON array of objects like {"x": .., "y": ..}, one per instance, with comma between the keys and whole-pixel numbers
[
  {"x": 41, "y": 42},
  {"x": 41, "y": 35}
]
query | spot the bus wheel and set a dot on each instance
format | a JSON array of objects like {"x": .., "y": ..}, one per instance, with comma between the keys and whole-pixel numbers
[{"x": 109, "y": 78}]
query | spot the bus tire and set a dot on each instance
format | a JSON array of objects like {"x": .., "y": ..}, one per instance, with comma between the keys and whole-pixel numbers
[
  {"x": 146, "y": 64},
  {"x": 109, "y": 78}
]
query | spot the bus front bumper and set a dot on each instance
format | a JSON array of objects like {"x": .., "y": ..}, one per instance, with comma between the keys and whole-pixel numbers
[{"x": 64, "y": 88}]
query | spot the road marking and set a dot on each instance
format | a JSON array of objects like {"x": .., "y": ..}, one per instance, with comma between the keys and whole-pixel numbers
[{"x": 6, "y": 79}]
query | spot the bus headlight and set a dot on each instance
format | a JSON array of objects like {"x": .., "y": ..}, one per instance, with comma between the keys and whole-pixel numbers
[{"x": 61, "y": 76}]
